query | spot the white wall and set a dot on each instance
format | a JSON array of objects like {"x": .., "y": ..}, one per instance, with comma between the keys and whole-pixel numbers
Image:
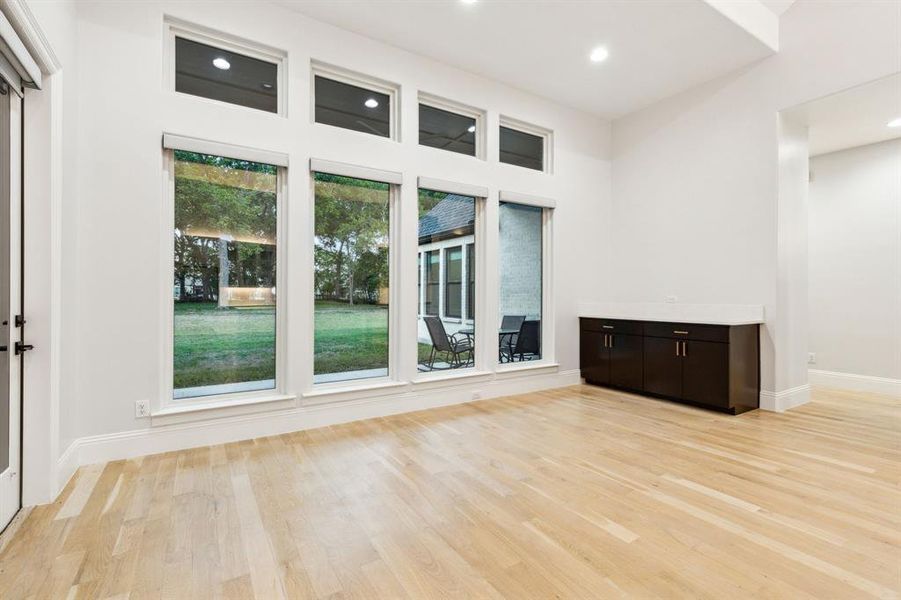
[
  {"x": 113, "y": 245},
  {"x": 855, "y": 260},
  {"x": 696, "y": 177}
]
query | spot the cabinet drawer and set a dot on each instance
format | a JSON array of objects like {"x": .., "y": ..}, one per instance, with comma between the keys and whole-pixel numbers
[
  {"x": 612, "y": 326},
  {"x": 688, "y": 331}
]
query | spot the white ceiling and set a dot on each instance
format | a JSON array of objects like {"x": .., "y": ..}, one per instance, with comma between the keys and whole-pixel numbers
[
  {"x": 657, "y": 47},
  {"x": 853, "y": 117},
  {"x": 778, "y": 6}
]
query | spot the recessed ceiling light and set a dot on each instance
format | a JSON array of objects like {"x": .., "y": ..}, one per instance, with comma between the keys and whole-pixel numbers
[
  {"x": 266, "y": 86},
  {"x": 221, "y": 63},
  {"x": 894, "y": 122},
  {"x": 468, "y": 1},
  {"x": 371, "y": 103},
  {"x": 599, "y": 54},
  {"x": 472, "y": 129}
]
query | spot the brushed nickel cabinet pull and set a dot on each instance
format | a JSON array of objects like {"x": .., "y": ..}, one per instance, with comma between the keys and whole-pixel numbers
[
  {"x": 680, "y": 332},
  {"x": 684, "y": 349},
  {"x": 677, "y": 348},
  {"x": 607, "y": 326}
]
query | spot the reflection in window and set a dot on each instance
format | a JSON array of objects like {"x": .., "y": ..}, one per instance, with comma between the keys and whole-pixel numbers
[
  {"x": 520, "y": 292},
  {"x": 209, "y": 72},
  {"x": 521, "y": 148},
  {"x": 453, "y": 282},
  {"x": 446, "y": 226},
  {"x": 224, "y": 275},
  {"x": 351, "y": 278},
  {"x": 446, "y": 130},
  {"x": 433, "y": 281},
  {"x": 352, "y": 107}
]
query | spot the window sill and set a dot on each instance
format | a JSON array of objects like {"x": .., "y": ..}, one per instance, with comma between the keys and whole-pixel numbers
[
  {"x": 508, "y": 371},
  {"x": 200, "y": 411},
  {"x": 446, "y": 379},
  {"x": 330, "y": 393}
]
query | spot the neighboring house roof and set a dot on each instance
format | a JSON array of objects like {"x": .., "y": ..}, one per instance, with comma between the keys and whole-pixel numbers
[{"x": 452, "y": 217}]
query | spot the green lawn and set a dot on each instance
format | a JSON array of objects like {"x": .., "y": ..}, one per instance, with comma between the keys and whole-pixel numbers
[
  {"x": 350, "y": 337},
  {"x": 216, "y": 346}
]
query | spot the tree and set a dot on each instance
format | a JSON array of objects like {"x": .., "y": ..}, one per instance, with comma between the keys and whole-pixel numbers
[{"x": 351, "y": 222}]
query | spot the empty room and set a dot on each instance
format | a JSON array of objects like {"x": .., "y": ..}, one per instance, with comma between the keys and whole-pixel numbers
[{"x": 384, "y": 299}]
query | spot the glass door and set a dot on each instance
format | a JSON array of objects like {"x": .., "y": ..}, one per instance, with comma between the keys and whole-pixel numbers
[{"x": 10, "y": 306}]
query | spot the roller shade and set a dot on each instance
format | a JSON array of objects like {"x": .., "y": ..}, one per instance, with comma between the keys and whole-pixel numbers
[{"x": 17, "y": 68}]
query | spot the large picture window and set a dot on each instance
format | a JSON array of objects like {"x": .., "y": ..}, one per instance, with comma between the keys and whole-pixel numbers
[
  {"x": 446, "y": 227},
  {"x": 224, "y": 286},
  {"x": 520, "y": 252},
  {"x": 351, "y": 254}
]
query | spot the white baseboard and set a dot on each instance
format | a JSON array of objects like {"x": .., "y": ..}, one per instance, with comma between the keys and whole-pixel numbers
[
  {"x": 854, "y": 382},
  {"x": 153, "y": 440},
  {"x": 786, "y": 399}
]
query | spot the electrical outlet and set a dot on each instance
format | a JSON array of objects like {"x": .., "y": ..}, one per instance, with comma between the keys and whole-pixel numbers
[
  {"x": 811, "y": 358},
  {"x": 670, "y": 299},
  {"x": 142, "y": 409}
]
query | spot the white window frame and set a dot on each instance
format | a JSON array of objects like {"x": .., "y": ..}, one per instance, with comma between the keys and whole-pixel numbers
[
  {"x": 548, "y": 335},
  {"x": 394, "y": 181},
  {"x": 165, "y": 409},
  {"x": 458, "y": 108},
  {"x": 177, "y": 28},
  {"x": 546, "y": 134},
  {"x": 374, "y": 84}
]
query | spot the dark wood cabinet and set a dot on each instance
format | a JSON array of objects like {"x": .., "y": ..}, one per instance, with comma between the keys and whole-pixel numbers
[
  {"x": 626, "y": 361},
  {"x": 708, "y": 365},
  {"x": 662, "y": 367},
  {"x": 611, "y": 354}
]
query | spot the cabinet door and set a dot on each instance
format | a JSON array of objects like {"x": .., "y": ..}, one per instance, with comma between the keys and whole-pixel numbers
[
  {"x": 594, "y": 357},
  {"x": 662, "y": 367},
  {"x": 705, "y": 373},
  {"x": 626, "y": 361}
]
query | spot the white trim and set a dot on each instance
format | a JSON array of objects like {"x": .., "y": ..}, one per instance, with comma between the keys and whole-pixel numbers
[
  {"x": 164, "y": 405},
  {"x": 26, "y": 25},
  {"x": 350, "y": 390},
  {"x": 67, "y": 465},
  {"x": 172, "y": 141},
  {"x": 178, "y": 28},
  {"x": 855, "y": 382},
  {"x": 336, "y": 73},
  {"x": 452, "y": 187},
  {"x": 319, "y": 165},
  {"x": 18, "y": 55},
  {"x": 458, "y": 108},
  {"x": 526, "y": 199},
  {"x": 221, "y": 406},
  {"x": 526, "y": 368},
  {"x": 525, "y": 127},
  {"x": 786, "y": 399},
  {"x": 143, "y": 442}
]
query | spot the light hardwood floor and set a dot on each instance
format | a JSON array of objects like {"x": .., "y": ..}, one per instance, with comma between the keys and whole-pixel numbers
[{"x": 570, "y": 493}]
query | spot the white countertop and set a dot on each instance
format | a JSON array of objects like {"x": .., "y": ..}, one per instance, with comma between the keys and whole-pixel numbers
[{"x": 701, "y": 314}]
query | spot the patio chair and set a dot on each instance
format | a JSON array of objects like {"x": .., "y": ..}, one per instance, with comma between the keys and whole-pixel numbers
[
  {"x": 528, "y": 342},
  {"x": 456, "y": 352},
  {"x": 507, "y": 342}
]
